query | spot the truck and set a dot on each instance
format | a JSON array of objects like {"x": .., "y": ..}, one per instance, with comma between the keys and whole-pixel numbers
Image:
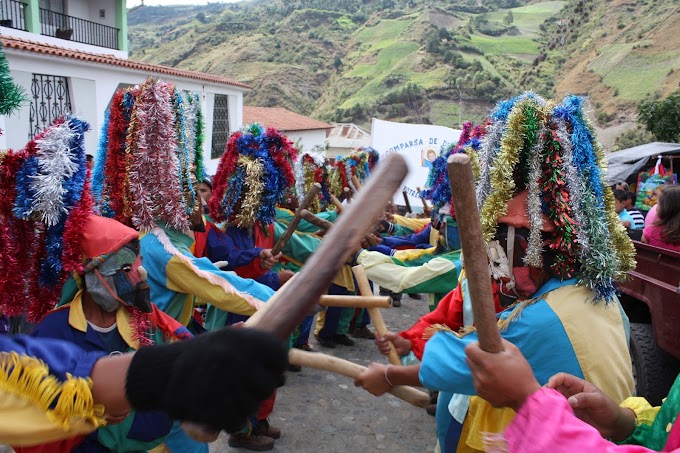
[{"x": 651, "y": 299}]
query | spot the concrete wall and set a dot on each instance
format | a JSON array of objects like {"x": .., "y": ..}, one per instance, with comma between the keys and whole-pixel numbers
[{"x": 308, "y": 139}]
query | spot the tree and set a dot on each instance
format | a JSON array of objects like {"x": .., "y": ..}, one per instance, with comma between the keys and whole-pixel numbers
[
  {"x": 337, "y": 63},
  {"x": 201, "y": 17},
  {"x": 662, "y": 118},
  {"x": 509, "y": 18}
]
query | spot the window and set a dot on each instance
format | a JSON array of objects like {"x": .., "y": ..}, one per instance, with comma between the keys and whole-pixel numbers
[
  {"x": 53, "y": 5},
  {"x": 220, "y": 133},
  {"x": 50, "y": 99},
  {"x": 53, "y": 13}
]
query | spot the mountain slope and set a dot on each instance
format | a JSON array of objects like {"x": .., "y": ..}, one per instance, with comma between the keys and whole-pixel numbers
[{"x": 421, "y": 60}]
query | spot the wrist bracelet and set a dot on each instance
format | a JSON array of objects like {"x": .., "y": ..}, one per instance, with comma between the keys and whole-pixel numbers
[{"x": 386, "y": 378}]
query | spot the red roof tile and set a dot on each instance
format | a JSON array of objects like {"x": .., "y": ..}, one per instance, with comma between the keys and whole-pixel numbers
[
  {"x": 281, "y": 119},
  {"x": 12, "y": 42}
]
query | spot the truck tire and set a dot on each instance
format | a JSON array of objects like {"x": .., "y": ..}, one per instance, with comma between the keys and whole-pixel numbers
[{"x": 654, "y": 370}]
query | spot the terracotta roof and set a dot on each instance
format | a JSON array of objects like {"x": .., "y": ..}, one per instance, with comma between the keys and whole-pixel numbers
[
  {"x": 12, "y": 42},
  {"x": 281, "y": 119}
]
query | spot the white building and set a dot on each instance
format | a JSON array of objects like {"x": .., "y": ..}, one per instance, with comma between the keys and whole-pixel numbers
[
  {"x": 346, "y": 137},
  {"x": 301, "y": 129},
  {"x": 71, "y": 56}
]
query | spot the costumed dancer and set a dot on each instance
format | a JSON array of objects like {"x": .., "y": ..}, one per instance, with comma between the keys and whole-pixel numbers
[
  {"x": 559, "y": 277},
  {"x": 253, "y": 175},
  {"x": 333, "y": 324},
  {"x": 547, "y": 417},
  {"x": 143, "y": 178}
]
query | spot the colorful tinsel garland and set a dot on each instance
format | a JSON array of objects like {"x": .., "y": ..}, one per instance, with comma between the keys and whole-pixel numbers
[{"x": 259, "y": 161}]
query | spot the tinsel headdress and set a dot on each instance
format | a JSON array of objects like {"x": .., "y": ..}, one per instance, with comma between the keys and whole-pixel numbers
[
  {"x": 551, "y": 151},
  {"x": 254, "y": 173},
  {"x": 150, "y": 146},
  {"x": 310, "y": 168},
  {"x": 44, "y": 203},
  {"x": 438, "y": 188},
  {"x": 359, "y": 163}
]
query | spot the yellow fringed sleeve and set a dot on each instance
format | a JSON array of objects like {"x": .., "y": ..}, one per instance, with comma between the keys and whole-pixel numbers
[
  {"x": 36, "y": 408},
  {"x": 645, "y": 413}
]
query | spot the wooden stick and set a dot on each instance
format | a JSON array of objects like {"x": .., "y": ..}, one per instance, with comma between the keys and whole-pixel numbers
[
  {"x": 474, "y": 250},
  {"x": 348, "y": 193},
  {"x": 426, "y": 208},
  {"x": 262, "y": 312},
  {"x": 374, "y": 313},
  {"x": 315, "y": 220},
  {"x": 292, "y": 226},
  {"x": 298, "y": 297},
  {"x": 356, "y": 301},
  {"x": 338, "y": 205},
  {"x": 357, "y": 183},
  {"x": 408, "y": 203},
  {"x": 352, "y": 370}
]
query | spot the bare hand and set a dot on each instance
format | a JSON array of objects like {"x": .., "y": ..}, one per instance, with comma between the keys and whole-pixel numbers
[
  {"x": 285, "y": 275},
  {"x": 402, "y": 345},
  {"x": 373, "y": 379},
  {"x": 269, "y": 260},
  {"x": 592, "y": 406},
  {"x": 504, "y": 379}
]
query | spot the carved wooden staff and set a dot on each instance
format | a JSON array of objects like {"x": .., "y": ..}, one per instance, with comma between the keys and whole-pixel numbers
[
  {"x": 374, "y": 313},
  {"x": 426, "y": 207},
  {"x": 338, "y": 205},
  {"x": 352, "y": 370},
  {"x": 406, "y": 202},
  {"x": 326, "y": 225},
  {"x": 462, "y": 185},
  {"x": 362, "y": 301},
  {"x": 292, "y": 226}
]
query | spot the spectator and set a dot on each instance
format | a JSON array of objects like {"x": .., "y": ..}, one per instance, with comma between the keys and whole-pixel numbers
[
  {"x": 665, "y": 230},
  {"x": 89, "y": 158},
  {"x": 620, "y": 199},
  {"x": 638, "y": 217}
]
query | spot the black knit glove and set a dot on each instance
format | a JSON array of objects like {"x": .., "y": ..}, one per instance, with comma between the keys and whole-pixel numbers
[{"x": 216, "y": 379}]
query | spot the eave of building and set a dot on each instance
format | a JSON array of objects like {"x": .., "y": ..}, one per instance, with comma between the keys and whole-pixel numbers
[{"x": 25, "y": 46}]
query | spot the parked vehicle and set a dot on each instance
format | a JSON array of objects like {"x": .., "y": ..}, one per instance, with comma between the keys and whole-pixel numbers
[{"x": 651, "y": 299}]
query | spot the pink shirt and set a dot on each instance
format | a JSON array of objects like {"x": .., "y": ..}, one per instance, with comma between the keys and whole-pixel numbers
[
  {"x": 652, "y": 234},
  {"x": 546, "y": 423}
]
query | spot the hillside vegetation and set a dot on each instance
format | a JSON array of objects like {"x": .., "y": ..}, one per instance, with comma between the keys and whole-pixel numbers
[{"x": 426, "y": 61}]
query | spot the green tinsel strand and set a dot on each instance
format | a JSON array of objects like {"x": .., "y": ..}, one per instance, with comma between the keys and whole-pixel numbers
[
  {"x": 11, "y": 94},
  {"x": 200, "y": 169}
]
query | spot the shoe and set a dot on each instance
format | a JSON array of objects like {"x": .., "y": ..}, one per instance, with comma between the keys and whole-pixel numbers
[
  {"x": 265, "y": 429},
  {"x": 416, "y": 296},
  {"x": 326, "y": 342},
  {"x": 396, "y": 302},
  {"x": 252, "y": 442},
  {"x": 363, "y": 332},
  {"x": 431, "y": 409},
  {"x": 343, "y": 340},
  {"x": 294, "y": 368}
]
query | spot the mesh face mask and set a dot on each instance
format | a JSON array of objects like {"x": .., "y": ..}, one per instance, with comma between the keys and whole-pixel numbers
[{"x": 116, "y": 280}]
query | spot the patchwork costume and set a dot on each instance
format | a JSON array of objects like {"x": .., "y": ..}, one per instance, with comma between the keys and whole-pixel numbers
[{"x": 544, "y": 156}]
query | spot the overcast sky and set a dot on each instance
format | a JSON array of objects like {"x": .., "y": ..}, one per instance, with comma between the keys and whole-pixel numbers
[{"x": 131, "y": 3}]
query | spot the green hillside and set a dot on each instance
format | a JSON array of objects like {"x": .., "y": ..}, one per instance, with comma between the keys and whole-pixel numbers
[{"x": 419, "y": 60}]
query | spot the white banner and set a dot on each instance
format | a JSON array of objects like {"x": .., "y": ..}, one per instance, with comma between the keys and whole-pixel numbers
[{"x": 419, "y": 144}]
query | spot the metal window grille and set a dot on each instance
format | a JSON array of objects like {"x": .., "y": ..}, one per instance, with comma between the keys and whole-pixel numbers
[
  {"x": 50, "y": 99},
  {"x": 220, "y": 132}
]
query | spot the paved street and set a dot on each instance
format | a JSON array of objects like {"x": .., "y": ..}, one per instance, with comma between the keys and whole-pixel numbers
[{"x": 322, "y": 412}]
